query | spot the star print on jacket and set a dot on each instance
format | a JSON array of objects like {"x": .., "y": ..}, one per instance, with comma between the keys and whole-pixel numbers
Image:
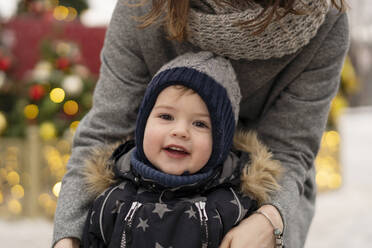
[
  {"x": 235, "y": 202},
  {"x": 191, "y": 213},
  {"x": 118, "y": 206},
  {"x": 143, "y": 224},
  {"x": 161, "y": 209},
  {"x": 122, "y": 185}
]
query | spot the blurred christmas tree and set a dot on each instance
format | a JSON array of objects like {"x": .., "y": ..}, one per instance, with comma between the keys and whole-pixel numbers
[
  {"x": 7, "y": 89},
  {"x": 61, "y": 9},
  {"x": 57, "y": 93}
]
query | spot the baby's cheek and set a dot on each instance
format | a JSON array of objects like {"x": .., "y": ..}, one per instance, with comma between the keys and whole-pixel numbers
[
  {"x": 149, "y": 142},
  {"x": 205, "y": 149}
]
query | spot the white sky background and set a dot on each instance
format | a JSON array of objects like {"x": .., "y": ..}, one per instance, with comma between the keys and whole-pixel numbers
[{"x": 99, "y": 12}]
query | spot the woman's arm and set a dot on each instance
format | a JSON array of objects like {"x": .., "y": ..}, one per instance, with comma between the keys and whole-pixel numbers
[
  {"x": 292, "y": 128},
  {"x": 122, "y": 81}
]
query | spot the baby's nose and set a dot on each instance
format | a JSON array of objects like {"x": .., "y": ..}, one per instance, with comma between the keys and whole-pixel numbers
[{"x": 181, "y": 131}]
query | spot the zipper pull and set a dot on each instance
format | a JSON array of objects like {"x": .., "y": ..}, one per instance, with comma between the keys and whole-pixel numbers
[
  {"x": 132, "y": 210},
  {"x": 126, "y": 239},
  {"x": 201, "y": 207},
  {"x": 203, "y": 222}
]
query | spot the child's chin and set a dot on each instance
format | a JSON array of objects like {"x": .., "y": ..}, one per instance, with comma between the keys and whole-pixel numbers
[{"x": 176, "y": 173}]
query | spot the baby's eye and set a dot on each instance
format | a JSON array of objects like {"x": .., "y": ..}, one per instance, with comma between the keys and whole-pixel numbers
[
  {"x": 167, "y": 117},
  {"x": 200, "y": 124}
]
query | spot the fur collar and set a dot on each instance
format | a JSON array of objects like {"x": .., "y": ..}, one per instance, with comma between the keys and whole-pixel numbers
[{"x": 259, "y": 178}]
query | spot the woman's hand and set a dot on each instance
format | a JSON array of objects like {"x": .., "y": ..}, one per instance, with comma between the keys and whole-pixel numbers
[
  {"x": 67, "y": 243},
  {"x": 254, "y": 231}
]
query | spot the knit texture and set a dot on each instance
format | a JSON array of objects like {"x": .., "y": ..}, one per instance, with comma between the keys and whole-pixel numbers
[
  {"x": 196, "y": 71},
  {"x": 217, "y": 68},
  {"x": 167, "y": 180},
  {"x": 212, "y": 27}
]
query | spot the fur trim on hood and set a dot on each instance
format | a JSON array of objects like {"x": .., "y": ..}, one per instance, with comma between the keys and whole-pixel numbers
[{"x": 259, "y": 178}]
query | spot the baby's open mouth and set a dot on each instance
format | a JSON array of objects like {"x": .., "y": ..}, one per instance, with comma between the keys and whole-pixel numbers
[{"x": 176, "y": 150}]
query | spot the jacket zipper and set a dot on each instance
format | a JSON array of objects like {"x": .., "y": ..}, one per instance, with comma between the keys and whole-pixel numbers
[
  {"x": 203, "y": 222},
  {"x": 127, "y": 233}
]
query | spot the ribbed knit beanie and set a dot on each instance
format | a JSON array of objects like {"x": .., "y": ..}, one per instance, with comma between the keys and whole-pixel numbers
[{"x": 214, "y": 80}]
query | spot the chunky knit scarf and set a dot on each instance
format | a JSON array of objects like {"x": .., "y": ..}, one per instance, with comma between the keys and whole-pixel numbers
[{"x": 212, "y": 27}]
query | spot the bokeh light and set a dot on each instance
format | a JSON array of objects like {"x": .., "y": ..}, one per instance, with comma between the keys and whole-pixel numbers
[
  {"x": 74, "y": 125},
  {"x": 57, "y": 95},
  {"x": 17, "y": 191},
  {"x": 50, "y": 207},
  {"x": 71, "y": 107},
  {"x": 321, "y": 179},
  {"x": 332, "y": 139},
  {"x": 47, "y": 203},
  {"x": 48, "y": 131},
  {"x": 63, "y": 48},
  {"x": 64, "y": 146},
  {"x": 335, "y": 181},
  {"x": 60, "y": 13},
  {"x": 3, "y": 123},
  {"x": 14, "y": 206},
  {"x": 43, "y": 199},
  {"x": 31, "y": 111},
  {"x": 328, "y": 172},
  {"x": 63, "y": 13},
  {"x": 72, "y": 14},
  {"x": 65, "y": 158},
  {"x": 57, "y": 189},
  {"x": 13, "y": 178}
]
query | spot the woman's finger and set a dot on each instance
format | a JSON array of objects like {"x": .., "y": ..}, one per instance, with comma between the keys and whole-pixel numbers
[{"x": 226, "y": 242}]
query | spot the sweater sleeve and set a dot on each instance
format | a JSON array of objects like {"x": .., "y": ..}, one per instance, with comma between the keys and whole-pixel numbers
[
  {"x": 119, "y": 90},
  {"x": 293, "y": 126}
]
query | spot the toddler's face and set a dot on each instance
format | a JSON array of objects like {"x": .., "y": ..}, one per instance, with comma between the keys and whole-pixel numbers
[{"x": 178, "y": 133}]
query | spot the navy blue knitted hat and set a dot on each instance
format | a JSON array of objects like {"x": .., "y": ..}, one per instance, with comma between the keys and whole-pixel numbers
[{"x": 213, "y": 78}]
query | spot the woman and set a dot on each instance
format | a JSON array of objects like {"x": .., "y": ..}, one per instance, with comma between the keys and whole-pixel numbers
[{"x": 287, "y": 56}]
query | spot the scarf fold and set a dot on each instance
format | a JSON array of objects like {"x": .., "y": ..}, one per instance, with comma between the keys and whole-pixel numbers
[
  {"x": 213, "y": 27},
  {"x": 167, "y": 180}
]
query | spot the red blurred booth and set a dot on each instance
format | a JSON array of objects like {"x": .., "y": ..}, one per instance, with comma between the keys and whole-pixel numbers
[{"x": 28, "y": 32}]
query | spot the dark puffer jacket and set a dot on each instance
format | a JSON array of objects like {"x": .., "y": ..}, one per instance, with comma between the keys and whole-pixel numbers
[{"x": 137, "y": 212}]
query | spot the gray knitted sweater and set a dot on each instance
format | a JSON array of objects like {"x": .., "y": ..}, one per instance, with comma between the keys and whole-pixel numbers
[{"x": 285, "y": 99}]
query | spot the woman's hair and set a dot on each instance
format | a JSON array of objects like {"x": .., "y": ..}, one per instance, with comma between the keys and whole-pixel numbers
[{"x": 174, "y": 13}]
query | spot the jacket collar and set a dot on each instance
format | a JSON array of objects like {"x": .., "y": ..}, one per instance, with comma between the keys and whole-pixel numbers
[
  {"x": 253, "y": 168},
  {"x": 228, "y": 173}
]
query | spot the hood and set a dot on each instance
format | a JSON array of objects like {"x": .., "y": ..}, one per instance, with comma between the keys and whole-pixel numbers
[{"x": 259, "y": 176}]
